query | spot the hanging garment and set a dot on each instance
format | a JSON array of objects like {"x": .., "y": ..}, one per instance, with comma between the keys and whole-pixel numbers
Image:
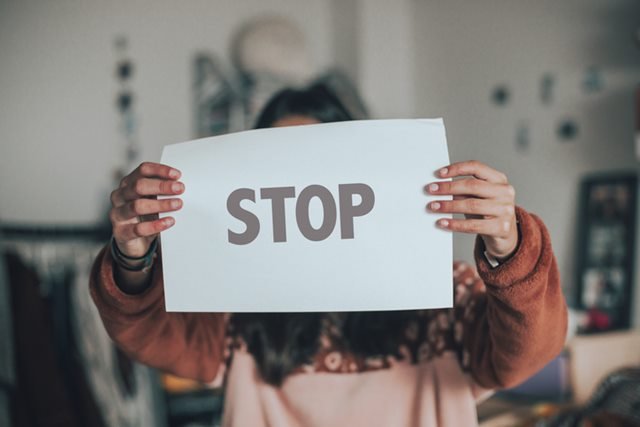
[
  {"x": 41, "y": 397},
  {"x": 127, "y": 393},
  {"x": 85, "y": 380},
  {"x": 7, "y": 368}
]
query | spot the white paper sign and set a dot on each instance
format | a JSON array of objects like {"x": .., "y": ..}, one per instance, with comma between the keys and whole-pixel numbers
[{"x": 328, "y": 217}]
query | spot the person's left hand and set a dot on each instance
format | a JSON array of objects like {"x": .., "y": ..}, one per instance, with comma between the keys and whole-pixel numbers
[{"x": 486, "y": 198}]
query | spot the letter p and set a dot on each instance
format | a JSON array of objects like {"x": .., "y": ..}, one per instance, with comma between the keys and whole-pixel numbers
[{"x": 348, "y": 211}]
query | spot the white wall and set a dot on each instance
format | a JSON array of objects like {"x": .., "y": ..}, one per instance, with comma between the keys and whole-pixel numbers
[
  {"x": 386, "y": 57},
  {"x": 465, "y": 48},
  {"x": 58, "y": 125}
]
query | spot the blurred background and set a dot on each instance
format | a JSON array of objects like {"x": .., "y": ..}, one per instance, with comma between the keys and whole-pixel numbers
[{"x": 546, "y": 91}]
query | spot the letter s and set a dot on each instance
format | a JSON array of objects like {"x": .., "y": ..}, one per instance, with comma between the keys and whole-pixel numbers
[{"x": 250, "y": 220}]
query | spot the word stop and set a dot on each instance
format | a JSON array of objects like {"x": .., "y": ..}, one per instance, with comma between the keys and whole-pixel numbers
[{"x": 347, "y": 211}]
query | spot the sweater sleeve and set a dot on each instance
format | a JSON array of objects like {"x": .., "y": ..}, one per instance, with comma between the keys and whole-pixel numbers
[
  {"x": 190, "y": 345},
  {"x": 519, "y": 324}
]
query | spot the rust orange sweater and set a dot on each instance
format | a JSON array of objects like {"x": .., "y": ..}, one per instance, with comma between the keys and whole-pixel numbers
[{"x": 507, "y": 323}]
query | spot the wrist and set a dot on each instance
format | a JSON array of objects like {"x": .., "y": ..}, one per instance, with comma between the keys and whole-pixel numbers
[
  {"x": 500, "y": 257},
  {"x": 141, "y": 264}
]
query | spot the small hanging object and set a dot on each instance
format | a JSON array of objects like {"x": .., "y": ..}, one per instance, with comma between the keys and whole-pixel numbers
[
  {"x": 124, "y": 70},
  {"x": 121, "y": 43},
  {"x": 523, "y": 137},
  {"x": 500, "y": 95},
  {"x": 592, "y": 81},
  {"x": 125, "y": 99},
  {"x": 567, "y": 130},
  {"x": 547, "y": 88}
]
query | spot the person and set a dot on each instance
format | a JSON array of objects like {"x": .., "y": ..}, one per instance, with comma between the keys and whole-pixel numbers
[{"x": 405, "y": 368}]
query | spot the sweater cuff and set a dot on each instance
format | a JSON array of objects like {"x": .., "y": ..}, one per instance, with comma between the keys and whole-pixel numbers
[
  {"x": 107, "y": 293},
  {"x": 521, "y": 263}
]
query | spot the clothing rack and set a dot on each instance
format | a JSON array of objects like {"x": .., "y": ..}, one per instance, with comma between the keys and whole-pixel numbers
[
  {"x": 51, "y": 249},
  {"x": 57, "y": 232}
]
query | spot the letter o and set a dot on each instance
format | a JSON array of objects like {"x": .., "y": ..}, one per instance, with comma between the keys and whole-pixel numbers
[{"x": 328, "y": 206}]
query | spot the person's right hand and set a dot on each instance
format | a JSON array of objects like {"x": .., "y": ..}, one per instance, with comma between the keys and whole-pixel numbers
[{"x": 135, "y": 208}]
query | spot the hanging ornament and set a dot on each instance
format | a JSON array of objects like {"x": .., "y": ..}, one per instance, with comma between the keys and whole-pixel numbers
[
  {"x": 124, "y": 70},
  {"x": 500, "y": 95},
  {"x": 567, "y": 130}
]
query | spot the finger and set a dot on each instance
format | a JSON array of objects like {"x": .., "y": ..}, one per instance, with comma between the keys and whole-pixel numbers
[
  {"x": 473, "y": 168},
  {"x": 488, "y": 227},
  {"x": 472, "y": 206},
  {"x": 116, "y": 197},
  {"x": 126, "y": 232},
  {"x": 142, "y": 207},
  {"x": 152, "y": 170},
  {"x": 472, "y": 187},
  {"x": 151, "y": 187}
]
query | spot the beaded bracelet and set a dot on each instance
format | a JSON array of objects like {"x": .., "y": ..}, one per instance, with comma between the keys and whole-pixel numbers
[{"x": 124, "y": 260}]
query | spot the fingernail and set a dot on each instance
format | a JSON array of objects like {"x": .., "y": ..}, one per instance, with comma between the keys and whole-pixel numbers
[
  {"x": 174, "y": 173},
  {"x": 169, "y": 221},
  {"x": 177, "y": 187},
  {"x": 434, "y": 206},
  {"x": 433, "y": 187},
  {"x": 443, "y": 223},
  {"x": 444, "y": 171},
  {"x": 175, "y": 204}
]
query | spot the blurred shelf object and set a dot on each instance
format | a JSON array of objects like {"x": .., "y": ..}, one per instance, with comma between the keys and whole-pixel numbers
[
  {"x": 605, "y": 248},
  {"x": 176, "y": 385}
]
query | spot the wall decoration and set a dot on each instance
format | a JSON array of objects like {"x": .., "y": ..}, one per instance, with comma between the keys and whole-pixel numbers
[
  {"x": 547, "y": 88},
  {"x": 214, "y": 98},
  {"x": 124, "y": 104},
  {"x": 592, "y": 81},
  {"x": 500, "y": 95},
  {"x": 567, "y": 130},
  {"x": 605, "y": 256},
  {"x": 270, "y": 53},
  {"x": 523, "y": 139}
]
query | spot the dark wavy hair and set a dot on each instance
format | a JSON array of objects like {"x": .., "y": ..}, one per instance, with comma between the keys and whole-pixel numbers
[{"x": 282, "y": 342}]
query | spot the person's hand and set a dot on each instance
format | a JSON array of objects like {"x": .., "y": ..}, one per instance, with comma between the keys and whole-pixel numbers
[
  {"x": 486, "y": 199},
  {"x": 135, "y": 208}
]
